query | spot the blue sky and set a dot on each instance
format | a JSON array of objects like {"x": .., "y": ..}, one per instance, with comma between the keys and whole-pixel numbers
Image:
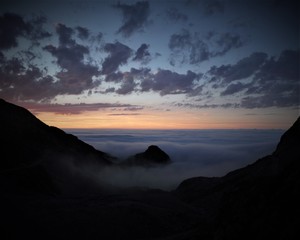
[{"x": 152, "y": 64}]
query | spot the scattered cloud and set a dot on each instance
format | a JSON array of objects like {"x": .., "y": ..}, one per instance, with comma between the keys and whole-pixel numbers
[
  {"x": 118, "y": 55},
  {"x": 175, "y": 15},
  {"x": 142, "y": 54},
  {"x": 124, "y": 114},
  {"x": 13, "y": 26},
  {"x": 168, "y": 82},
  {"x": 208, "y": 7},
  {"x": 134, "y": 17},
  {"x": 193, "y": 48},
  {"x": 75, "y": 75},
  {"x": 243, "y": 69},
  {"x": 74, "y": 108},
  {"x": 127, "y": 86},
  {"x": 82, "y": 33},
  {"x": 234, "y": 88},
  {"x": 266, "y": 81}
]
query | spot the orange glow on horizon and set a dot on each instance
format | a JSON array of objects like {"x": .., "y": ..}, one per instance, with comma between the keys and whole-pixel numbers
[{"x": 159, "y": 120}]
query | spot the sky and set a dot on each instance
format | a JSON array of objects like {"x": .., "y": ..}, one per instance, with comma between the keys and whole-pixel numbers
[{"x": 189, "y": 64}]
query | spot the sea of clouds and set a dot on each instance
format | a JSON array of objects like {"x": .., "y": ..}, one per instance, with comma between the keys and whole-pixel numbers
[{"x": 193, "y": 153}]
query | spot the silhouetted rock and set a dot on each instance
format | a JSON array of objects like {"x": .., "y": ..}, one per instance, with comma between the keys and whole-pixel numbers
[
  {"x": 28, "y": 144},
  {"x": 152, "y": 157},
  {"x": 259, "y": 201}
]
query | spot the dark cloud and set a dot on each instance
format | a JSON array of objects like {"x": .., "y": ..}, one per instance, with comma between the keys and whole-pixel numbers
[
  {"x": 168, "y": 82},
  {"x": 286, "y": 68},
  {"x": 142, "y": 54},
  {"x": 124, "y": 114},
  {"x": 175, "y": 15},
  {"x": 23, "y": 78},
  {"x": 13, "y": 26},
  {"x": 129, "y": 80},
  {"x": 208, "y": 7},
  {"x": 244, "y": 68},
  {"x": 277, "y": 83},
  {"x": 118, "y": 55},
  {"x": 266, "y": 81},
  {"x": 114, "y": 77},
  {"x": 234, "y": 88},
  {"x": 65, "y": 34},
  {"x": 164, "y": 81},
  {"x": 75, "y": 76},
  {"x": 211, "y": 7},
  {"x": 73, "y": 108},
  {"x": 21, "y": 82},
  {"x": 188, "y": 48},
  {"x": 194, "y": 48},
  {"x": 127, "y": 86},
  {"x": 134, "y": 17},
  {"x": 204, "y": 106},
  {"x": 83, "y": 33},
  {"x": 226, "y": 42}
]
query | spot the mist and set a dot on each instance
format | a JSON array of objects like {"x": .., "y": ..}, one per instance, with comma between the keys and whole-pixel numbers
[{"x": 193, "y": 153}]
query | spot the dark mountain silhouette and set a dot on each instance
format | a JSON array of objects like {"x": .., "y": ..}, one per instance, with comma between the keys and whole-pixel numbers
[
  {"x": 32, "y": 153},
  {"x": 260, "y": 201},
  {"x": 152, "y": 157},
  {"x": 39, "y": 164}
]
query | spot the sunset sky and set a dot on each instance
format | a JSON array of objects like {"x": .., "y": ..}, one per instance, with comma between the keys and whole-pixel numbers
[{"x": 190, "y": 64}]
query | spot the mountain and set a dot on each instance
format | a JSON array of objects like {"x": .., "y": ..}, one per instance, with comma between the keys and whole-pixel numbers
[
  {"x": 152, "y": 157},
  {"x": 259, "y": 201},
  {"x": 36, "y": 156}
]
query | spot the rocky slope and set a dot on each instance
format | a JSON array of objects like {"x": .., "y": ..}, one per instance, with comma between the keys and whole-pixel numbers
[
  {"x": 33, "y": 155},
  {"x": 259, "y": 201}
]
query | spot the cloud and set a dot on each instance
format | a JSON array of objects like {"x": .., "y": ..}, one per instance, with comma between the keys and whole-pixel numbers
[
  {"x": 23, "y": 80},
  {"x": 74, "y": 108},
  {"x": 134, "y": 17},
  {"x": 168, "y": 82},
  {"x": 13, "y": 26},
  {"x": 225, "y": 42},
  {"x": 234, "y": 88},
  {"x": 124, "y": 114},
  {"x": 142, "y": 54},
  {"x": 264, "y": 81},
  {"x": 204, "y": 106},
  {"x": 175, "y": 15},
  {"x": 118, "y": 55},
  {"x": 244, "y": 68},
  {"x": 193, "y": 48},
  {"x": 127, "y": 86},
  {"x": 208, "y": 7},
  {"x": 194, "y": 153},
  {"x": 65, "y": 34},
  {"x": 83, "y": 33},
  {"x": 75, "y": 76}
]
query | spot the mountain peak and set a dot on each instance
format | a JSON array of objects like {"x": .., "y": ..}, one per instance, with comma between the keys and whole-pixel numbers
[{"x": 152, "y": 157}]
